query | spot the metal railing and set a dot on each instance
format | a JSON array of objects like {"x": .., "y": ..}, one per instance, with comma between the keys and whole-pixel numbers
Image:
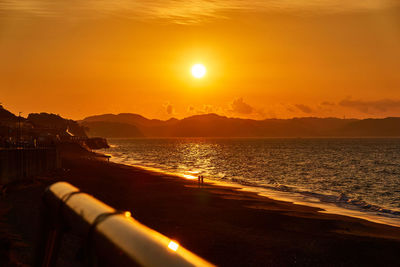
[{"x": 112, "y": 238}]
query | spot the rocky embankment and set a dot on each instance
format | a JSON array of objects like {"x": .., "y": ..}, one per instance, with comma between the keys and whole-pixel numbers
[{"x": 97, "y": 143}]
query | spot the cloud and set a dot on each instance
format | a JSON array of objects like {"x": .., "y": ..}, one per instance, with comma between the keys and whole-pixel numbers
[
  {"x": 240, "y": 107},
  {"x": 205, "y": 109},
  {"x": 169, "y": 108},
  {"x": 182, "y": 12},
  {"x": 209, "y": 109},
  {"x": 370, "y": 107},
  {"x": 327, "y": 103},
  {"x": 304, "y": 108},
  {"x": 290, "y": 109}
]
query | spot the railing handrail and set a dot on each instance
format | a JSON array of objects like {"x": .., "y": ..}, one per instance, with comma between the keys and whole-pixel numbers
[{"x": 138, "y": 243}]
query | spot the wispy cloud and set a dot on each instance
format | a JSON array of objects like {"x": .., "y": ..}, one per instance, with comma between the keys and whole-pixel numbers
[
  {"x": 371, "y": 107},
  {"x": 240, "y": 107},
  {"x": 205, "y": 109},
  {"x": 304, "y": 108},
  {"x": 178, "y": 11},
  {"x": 169, "y": 109},
  {"x": 327, "y": 104}
]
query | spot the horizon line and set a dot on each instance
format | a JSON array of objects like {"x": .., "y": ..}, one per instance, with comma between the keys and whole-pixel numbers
[{"x": 242, "y": 118}]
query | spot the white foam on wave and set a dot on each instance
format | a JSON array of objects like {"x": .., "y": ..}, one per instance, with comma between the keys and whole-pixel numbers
[{"x": 280, "y": 193}]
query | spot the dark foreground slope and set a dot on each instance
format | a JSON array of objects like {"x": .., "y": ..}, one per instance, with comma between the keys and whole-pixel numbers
[{"x": 225, "y": 226}]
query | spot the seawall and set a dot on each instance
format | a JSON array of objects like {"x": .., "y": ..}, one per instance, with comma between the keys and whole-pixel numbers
[{"x": 17, "y": 164}]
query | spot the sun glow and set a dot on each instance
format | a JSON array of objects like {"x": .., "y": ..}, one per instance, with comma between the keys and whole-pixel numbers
[{"x": 198, "y": 71}]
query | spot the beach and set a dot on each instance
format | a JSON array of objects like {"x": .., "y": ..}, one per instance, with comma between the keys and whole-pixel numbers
[{"x": 225, "y": 226}]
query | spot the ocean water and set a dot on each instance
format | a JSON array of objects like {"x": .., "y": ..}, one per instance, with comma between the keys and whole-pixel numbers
[{"x": 353, "y": 174}]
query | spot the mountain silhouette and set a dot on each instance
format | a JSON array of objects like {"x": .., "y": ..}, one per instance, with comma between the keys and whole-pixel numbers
[
  {"x": 213, "y": 125},
  {"x": 52, "y": 121},
  {"x": 111, "y": 129},
  {"x": 373, "y": 127},
  {"x": 7, "y": 116}
]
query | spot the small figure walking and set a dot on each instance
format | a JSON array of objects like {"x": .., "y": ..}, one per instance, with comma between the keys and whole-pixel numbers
[{"x": 200, "y": 179}]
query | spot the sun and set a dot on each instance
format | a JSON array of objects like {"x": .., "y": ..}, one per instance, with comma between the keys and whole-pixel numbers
[{"x": 198, "y": 71}]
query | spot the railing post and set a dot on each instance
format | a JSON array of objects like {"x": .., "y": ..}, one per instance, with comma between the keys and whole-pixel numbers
[
  {"x": 48, "y": 241},
  {"x": 50, "y": 236}
]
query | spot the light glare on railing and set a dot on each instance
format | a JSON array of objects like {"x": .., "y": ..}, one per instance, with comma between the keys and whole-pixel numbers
[
  {"x": 126, "y": 234},
  {"x": 173, "y": 246}
]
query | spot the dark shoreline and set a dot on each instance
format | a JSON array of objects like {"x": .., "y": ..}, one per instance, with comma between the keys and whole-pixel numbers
[
  {"x": 286, "y": 196},
  {"x": 223, "y": 225}
]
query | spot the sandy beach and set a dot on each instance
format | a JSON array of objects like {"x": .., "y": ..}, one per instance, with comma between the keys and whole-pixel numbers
[
  {"x": 288, "y": 109},
  {"x": 223, "y": 225}
]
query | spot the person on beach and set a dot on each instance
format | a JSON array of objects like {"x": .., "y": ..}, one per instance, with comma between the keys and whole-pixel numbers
[{"x": 200, "y": 179}]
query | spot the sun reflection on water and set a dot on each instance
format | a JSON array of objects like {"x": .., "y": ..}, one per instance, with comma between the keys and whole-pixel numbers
[{"x": 189, "y": 176}]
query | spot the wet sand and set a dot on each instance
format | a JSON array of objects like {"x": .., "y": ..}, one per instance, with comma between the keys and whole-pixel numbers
[
  {"x": 223, "y": 225},
  {"x": 229, "y": 227}
]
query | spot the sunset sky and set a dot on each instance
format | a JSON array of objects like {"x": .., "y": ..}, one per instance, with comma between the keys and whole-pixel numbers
[{"x": 264, "y": 58}]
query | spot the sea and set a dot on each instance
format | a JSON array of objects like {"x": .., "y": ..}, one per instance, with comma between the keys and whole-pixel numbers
[{"x": 359, "y": 177}]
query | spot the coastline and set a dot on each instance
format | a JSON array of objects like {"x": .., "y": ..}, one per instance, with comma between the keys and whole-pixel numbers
[
  {"x": 226, "y": 226},
  {"x": 292, "y": 197},
  {"x": 233, "y": 227}
]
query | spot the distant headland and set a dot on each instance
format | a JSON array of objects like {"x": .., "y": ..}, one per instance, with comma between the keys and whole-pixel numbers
[
  {"x": 43, "y": 130},
  {"x": 45, "y": 126},
  {"x": 213, "y": 125}
]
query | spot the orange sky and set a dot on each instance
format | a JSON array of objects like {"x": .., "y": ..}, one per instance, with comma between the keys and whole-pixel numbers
[{"x": 264, "y": 58}]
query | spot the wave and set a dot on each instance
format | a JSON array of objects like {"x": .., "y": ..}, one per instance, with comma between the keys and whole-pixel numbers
[
  {"x": 342, "y": 200},
  {"x": 344, "y": 205}
]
